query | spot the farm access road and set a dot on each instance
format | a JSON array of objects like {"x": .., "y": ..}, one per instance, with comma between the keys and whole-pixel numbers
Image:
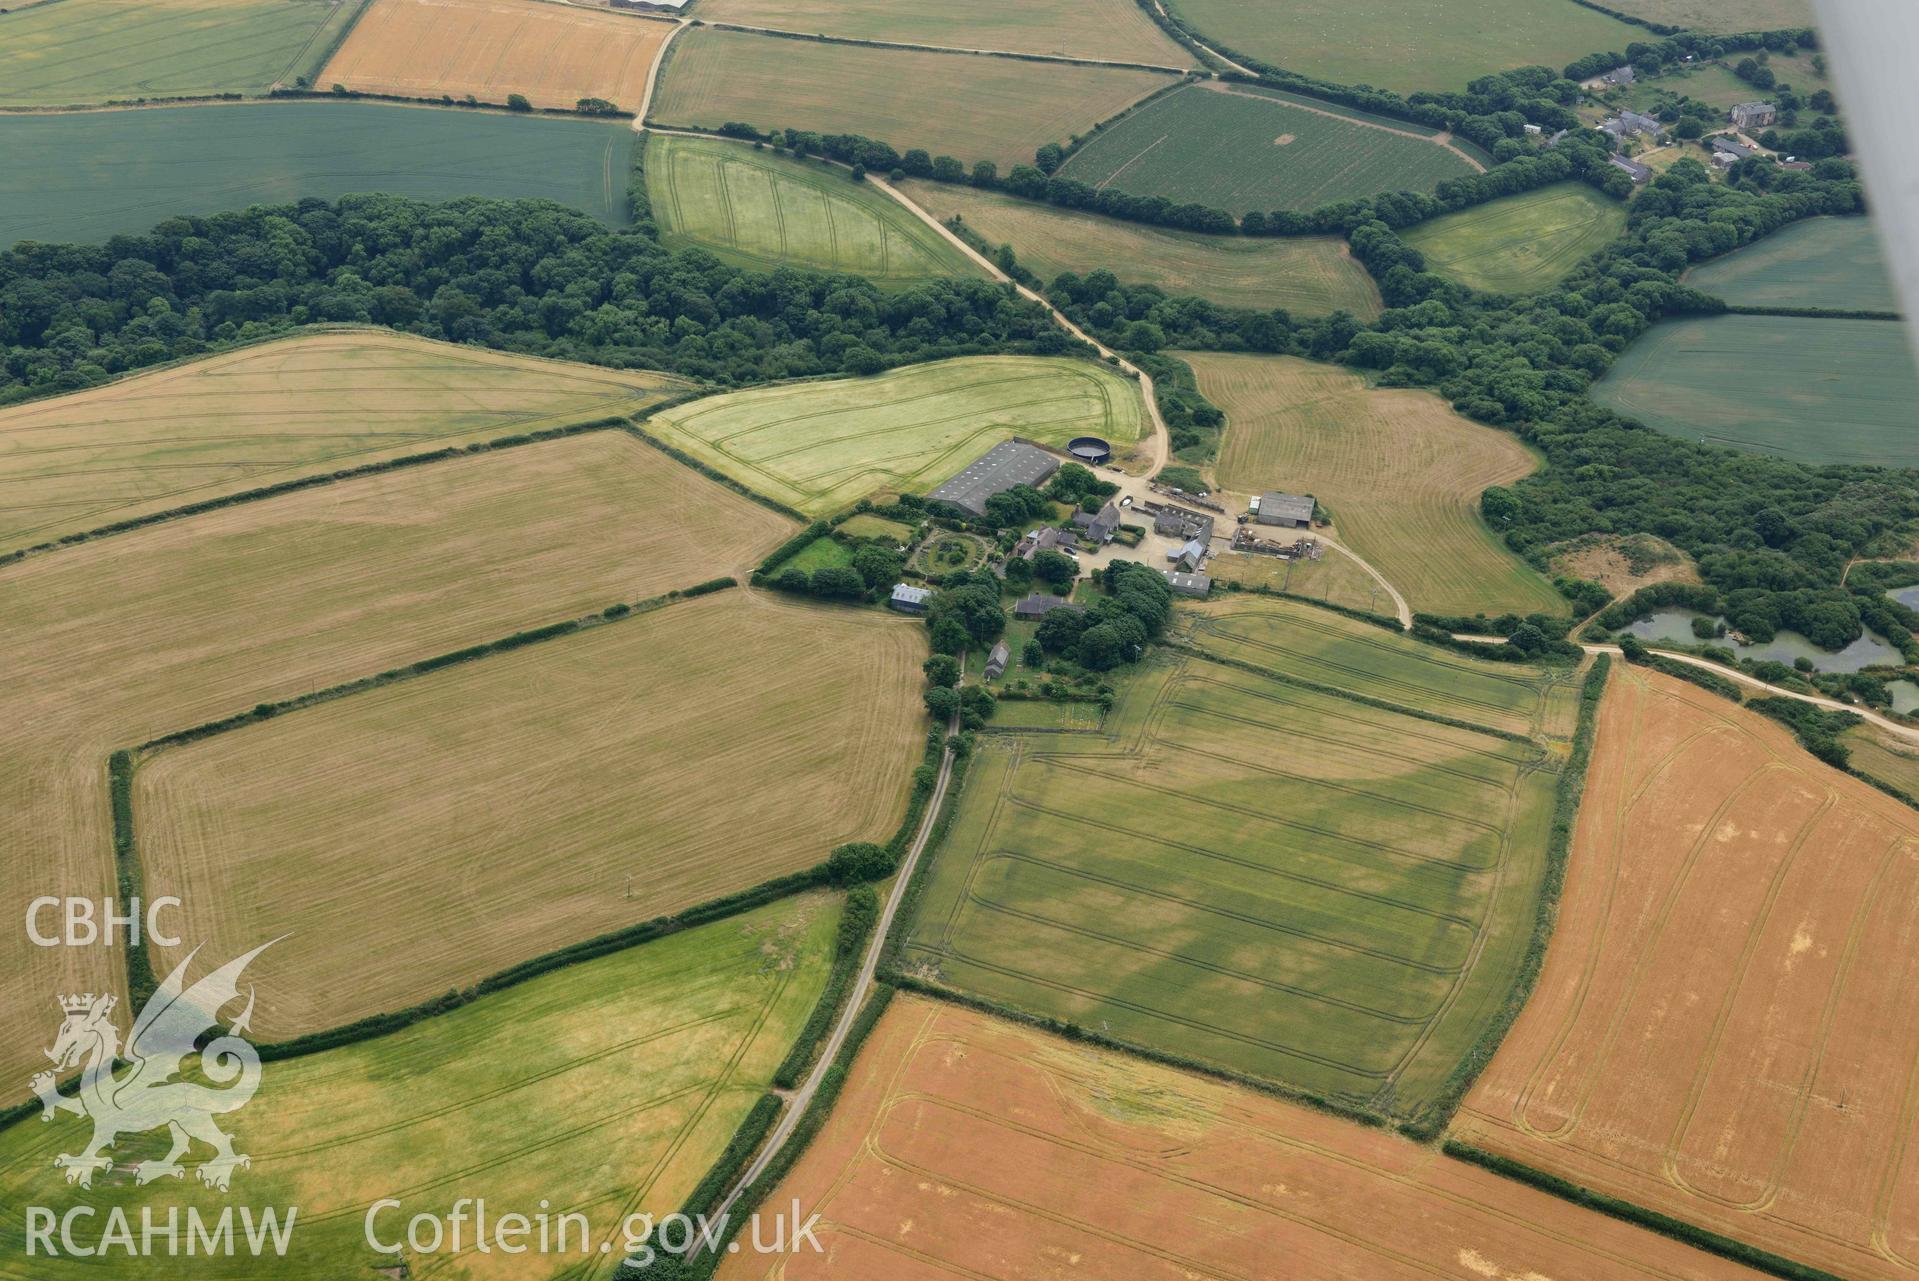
[{"x": 802, "y": 1098}]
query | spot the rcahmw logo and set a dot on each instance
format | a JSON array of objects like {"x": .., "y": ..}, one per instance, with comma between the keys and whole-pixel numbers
[{"x": 150, "y": 1092}]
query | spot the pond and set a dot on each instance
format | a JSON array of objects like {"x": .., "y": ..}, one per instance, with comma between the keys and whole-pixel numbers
[
  {"x": 1907, "y": 596},
  {"x": 1674, "y": 627}
]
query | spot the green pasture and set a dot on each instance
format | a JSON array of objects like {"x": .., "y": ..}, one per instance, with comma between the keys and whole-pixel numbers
[
  {"x": 821, "y": 446},
  {"x": 1815, "y": 391},
  {"x": 92, "y": 175},
  {"x": 1406, "y": 45},
  {"x": 73, "y": 52},
  {"x": 762, "y": 210},
  {"x": 1834, "y": 263},
  {"x": 1249, "y": 872},
  {"x": 1520, "y": 244},
  {"x": 821, "y": 553},
  {"x": 608, "y": 1088},
  {"x": 1238, "y": 149},
  {"x": 867, "y": 525}
]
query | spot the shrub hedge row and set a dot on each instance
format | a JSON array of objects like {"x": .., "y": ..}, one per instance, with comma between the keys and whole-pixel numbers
[
  {"x": 1567, "y": 793},
  {"x": 856, "y": 926}
]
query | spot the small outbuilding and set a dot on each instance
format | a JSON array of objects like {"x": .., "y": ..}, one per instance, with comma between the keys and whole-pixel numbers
[
  {"x": 1184, "y": 584},
  {"x": 908, "y": 599},
  {"x": 1040, "y": 604},
  {"x": 1276, "y": 508},
  {"x": 997, "y": 660},
  {"x": 1632, "y": 169}
]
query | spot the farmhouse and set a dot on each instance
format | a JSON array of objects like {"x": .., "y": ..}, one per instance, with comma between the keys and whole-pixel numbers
[
  {"x": 1754, "y": 115},
  {"x": 996, "y": 661},
  {"x": 1276, "y": 508},
  {"x": 1617, "y": 76},
  {"x": 1628, "y": 125},
  {"x": 999, "y": 469},
  {"x": 1636, "y": 171},
  {"x": 909, "y": 599},
  {"x": 1040, "y": 604},
  {"x": 1099, "y": 527},
  {"x": 1189, "y": 584}
]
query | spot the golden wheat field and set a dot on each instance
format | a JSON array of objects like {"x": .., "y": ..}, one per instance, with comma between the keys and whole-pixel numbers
[
  {"x": 120, "y": 640},
  {"x": 274, "y": 412},
  {"x": 902, "y": 95},
  {"x": 1401, "y": 473},
  {"x": 553, "y": 54},
  {"x": 532, "y": 800}
]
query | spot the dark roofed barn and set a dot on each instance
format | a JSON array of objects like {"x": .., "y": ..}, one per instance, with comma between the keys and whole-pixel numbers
[
  {"x": 999, "y": 469},
  {"x": 1276, "y": 508},
  {"x": 1040, "y": 604}
]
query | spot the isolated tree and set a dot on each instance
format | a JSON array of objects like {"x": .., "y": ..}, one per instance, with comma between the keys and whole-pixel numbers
[
  {"x": 941, "y": 702},
  {"x": 518, "y": 102},
  {"x": 1055, "y": 569}
]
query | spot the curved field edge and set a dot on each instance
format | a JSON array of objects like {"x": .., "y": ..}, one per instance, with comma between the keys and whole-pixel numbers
[
  {"x": 819, "y": 447},
  {"x": 354, "y": 791},
  {"x": 1399, "y": 471},
  {"x": 762, "y": 210},
  {"x": 1523, "y": 243},
  {"x": 610, "y": 1087},
  {"x": 269, "y": 414}
]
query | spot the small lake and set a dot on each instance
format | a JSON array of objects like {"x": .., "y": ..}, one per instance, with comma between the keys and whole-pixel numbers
[
  {"x": 1674, "y": 627},
  {"x": 1907, "y": 596},
  {"x": 1905, "y": 696}
]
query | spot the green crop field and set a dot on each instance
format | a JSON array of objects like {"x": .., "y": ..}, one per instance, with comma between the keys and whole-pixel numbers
[
  {"x": 1260, "y": 875},
  {"x": 1306, "y": 275},
  {"x": 1816, "y": 391},
  {"x": 1239, "y": 150},
  {"x": 608, "y": 1088},
  {"x": 1407, "y": 44},
  {"x": 1821, "y": 262},
  {"x": 762, "y": 210},
  {"x": 93, "y": 175},
  {"x": 901, "y": 96},
  {"x": 821, "y": 446},
  {"x": 1109, "y": 30},
  {"x": 1521, "y": 243},
  {"x": 89, "y": 51},
  {"x": 1721, "y": 17}
]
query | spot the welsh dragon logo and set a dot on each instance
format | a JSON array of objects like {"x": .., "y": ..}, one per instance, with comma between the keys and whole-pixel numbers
[{"x": 148, "y": 1092}]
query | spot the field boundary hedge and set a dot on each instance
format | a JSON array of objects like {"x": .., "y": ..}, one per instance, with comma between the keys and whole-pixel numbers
[
  {"x": 1615, "y": 1208},
  {"x": 856, "y": 927},
  {"x": 711, "y": 473},
  {"x": 447, "y": 101},
  {"x": 1568, "y": 790},
  {"x": 443, "y": 453},
  {"x": 1364, "y": 616},
  {"x": 814, "y": 37},
  {"x": 1807, "y": 313}
]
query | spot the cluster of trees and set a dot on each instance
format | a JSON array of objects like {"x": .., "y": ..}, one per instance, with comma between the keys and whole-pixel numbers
[
  {"x": 528, "y": 276},
  {"x": 966, "y": 612},
  {"x": 1130, "y": 615},
  {"x": 974, "y": 704},
  {"x": 875, "y": 568},
  {"x": 1020, "y": 505},
  {"x": 1077, "y": 486},
  {"x": 1652, "y": 57}
]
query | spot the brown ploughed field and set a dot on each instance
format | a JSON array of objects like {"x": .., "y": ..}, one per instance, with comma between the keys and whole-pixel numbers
[{"x": 1725, "y": 1030}]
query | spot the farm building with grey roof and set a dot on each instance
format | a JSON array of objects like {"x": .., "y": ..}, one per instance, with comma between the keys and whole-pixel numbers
[{"x": 999, "y": 469}]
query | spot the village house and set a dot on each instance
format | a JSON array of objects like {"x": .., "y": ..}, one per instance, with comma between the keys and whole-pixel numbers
[
  {"x": 996, "y": 661},
  {"x": 1748, "y": 116}
]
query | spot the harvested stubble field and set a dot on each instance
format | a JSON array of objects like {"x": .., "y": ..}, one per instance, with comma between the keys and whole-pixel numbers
[
  {"x": 900, "y": 96},
  {"x": 1406, "y": 45},
  {"x": 606, "y": 1088},
  {"x": 1724, "y": 1031},
  {"x": 271, "y": 413},
  {"x": 1259, "y": 875},
  {"x": 1399, "y": 470},
  {"x": 88, "y": 51},
  {"x": 1107, "y": 30},
  {"x": 1814, "y": 391},
  {"x": 821, "y": 446},
  {"x": 91, "y": 175},
  {"x": 968, "y": 1146},
  {"x": 1821, "y": 262},
  {"x": 1885, "y": 757},
  {"x": 1241, "y": 149},
  {"x": 1520, "y": 244},
  {"x": 115, "y": 642},
  {"x": 532, "y": 800},
  {"x": 553, "y": 54},
  {"x": 763, "y": 210},
  {"x": 1306, "y": 275}
]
